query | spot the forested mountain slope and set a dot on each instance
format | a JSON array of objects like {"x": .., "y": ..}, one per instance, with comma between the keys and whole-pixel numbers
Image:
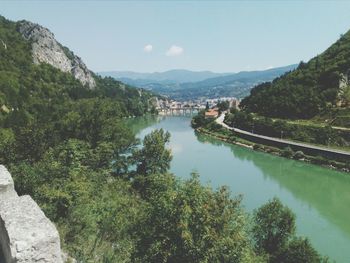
[
  {"x": 318, "y": 87},
  {"x": 60, "y": 128},
  {"x": 33, "y": 66}
]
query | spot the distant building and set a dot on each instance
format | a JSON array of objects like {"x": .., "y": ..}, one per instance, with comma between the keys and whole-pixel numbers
[{"x": 211, "y": 114}]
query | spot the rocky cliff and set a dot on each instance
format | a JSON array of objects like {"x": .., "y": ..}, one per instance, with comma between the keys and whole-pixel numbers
[
  {"x": 45, "y": 49},
  {"x": 26, "y": 234}
]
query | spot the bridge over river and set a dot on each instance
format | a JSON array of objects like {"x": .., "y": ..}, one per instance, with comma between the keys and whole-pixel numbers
[{"x": 184, "y": 110}]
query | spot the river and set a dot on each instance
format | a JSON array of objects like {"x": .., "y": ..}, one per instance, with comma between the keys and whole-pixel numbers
[{"x": 319, "y": 197}]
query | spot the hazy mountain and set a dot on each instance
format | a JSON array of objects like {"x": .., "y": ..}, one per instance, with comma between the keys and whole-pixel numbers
[
  {"x": 237, "y": 85},
  {"x": 170, "y": 76},
  {"x": 221, "y": 85}
]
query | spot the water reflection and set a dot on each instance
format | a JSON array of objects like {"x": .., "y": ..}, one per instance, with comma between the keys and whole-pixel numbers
[{"x": 323, "y": 189}]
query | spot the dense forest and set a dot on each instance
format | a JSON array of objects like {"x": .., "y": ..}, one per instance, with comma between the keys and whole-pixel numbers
[
  {"x": 112, "y": 197},
  {"x": 313, "y": 89}
]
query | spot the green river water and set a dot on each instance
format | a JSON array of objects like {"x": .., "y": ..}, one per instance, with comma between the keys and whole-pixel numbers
[{"x": 319, "y": 197}]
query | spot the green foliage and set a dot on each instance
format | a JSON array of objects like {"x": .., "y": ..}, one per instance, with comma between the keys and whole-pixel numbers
[
  {"x": 213, "y": 126},
  {"x": 6, "y": 145},
  {"x": 287, "y": 152},
  {"x": 199, "y": 120},
  {"x": 187, "y": 222},
  {"x": 273, "y": 225},
  {"x": 299, "y": 250},
  {"x": 286, "y": 130},
  {"x": 240, "y": 120},
  {"x": 153, "y": 157},
  {"x": 223, "y": 106},
  {"x": 299, "y": 155},
  {"x": 273, "y": 234},
  {"x": 320, "y": 160},
  {"x": 258, "y": 147},
  {"x": 92, "y": 210}
]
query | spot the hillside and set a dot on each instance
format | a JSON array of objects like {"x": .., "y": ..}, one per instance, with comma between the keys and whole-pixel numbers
[
  {"x": 60, "y": 128},
  {"x": 34, "y": 65},
  {"x": 319, "y": 87},
  {"x": 204, "y": 85}
]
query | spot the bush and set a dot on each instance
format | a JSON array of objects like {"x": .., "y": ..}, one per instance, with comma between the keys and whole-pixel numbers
[
  {"x": 187, "y": 222},
  {"x": 281, "y": 128},
  {"x": 232, "y": 138},
  {"x": 287, "y": 152},
  {"x": 258, "y": 147},
  {"x": 299, "y": 250},
  {"x": 319, "y": 160},
  {"x": 213, "y": 126},
  {"x": 273, "y": 233},
  {"x": 299, "y": 155},
  {"x": 273, "y": 225}
]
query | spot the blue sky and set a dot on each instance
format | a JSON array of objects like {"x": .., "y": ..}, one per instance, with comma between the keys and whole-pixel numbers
[{"x": 221, "y": 36}]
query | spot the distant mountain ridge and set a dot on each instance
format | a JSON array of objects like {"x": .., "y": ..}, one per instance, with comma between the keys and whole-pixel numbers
[
  {"x": 170, "y": 76},
  {"x": 175, "y": 84}
]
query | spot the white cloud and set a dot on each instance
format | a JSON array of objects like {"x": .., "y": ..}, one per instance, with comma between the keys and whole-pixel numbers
[
  {"x": 148, "y": 48},
  {"x": 174, "y": 51}
]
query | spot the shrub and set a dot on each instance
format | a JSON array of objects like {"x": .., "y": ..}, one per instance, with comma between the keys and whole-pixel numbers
[
  {"x": 273, "y": 225},
  {"x": 287, "y": 152},
  {"x": 299, "y": 155},
  {"x": 258, "y": 147},
  {"x": 299, "y": 250},
  {"x": 319, "y": 160}
]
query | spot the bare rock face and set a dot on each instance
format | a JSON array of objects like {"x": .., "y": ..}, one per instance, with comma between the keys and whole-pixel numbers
[
  {"x": 26, "y": 234},
  {"x": 46, "y": 49},
  {"x": 6, "y": 183}
]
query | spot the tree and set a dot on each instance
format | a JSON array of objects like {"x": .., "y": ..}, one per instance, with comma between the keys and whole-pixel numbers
[
  {"x": 153, "y": 157},
  {"x": 223, "y": 105},
  {"x": 287, "y": 152},
  {"x": 187, "y": 222},
  {"x": 300, "y": 250},
  {"x": 207, "y": 106},
  {"x": 199, "y": 120},
  {"x": 273, "y": 226}
]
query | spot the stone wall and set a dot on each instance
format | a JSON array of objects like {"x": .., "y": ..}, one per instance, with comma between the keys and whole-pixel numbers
[{"x": 26, "y": 234}]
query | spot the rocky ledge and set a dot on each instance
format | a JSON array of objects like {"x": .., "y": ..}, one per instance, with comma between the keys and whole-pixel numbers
[
  {"x": 45, "y": 49},
  {"x": 26, "y": 234}
]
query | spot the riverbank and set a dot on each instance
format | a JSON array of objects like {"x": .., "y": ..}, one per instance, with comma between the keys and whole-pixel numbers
[
  {"x": 317, "y": 195},
  {"x": 228, "y": 137}
]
